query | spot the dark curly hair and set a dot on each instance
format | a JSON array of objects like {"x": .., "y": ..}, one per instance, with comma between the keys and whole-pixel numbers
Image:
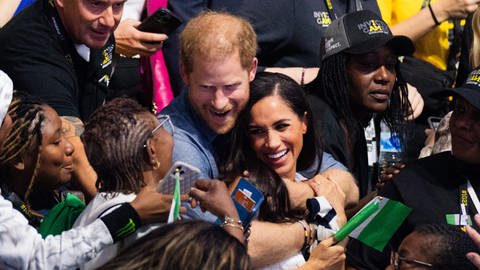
[
  {"x": 114, "y": 139},
  {"x": 449, "y": 245}
]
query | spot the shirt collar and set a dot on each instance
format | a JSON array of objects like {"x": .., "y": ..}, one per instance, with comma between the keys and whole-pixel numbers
[
  {"x": 198, "y": 121},
  {"x": 83, "y": 51}
]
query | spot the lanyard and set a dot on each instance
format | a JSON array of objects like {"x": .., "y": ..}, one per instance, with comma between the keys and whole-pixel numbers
[
  {"x": 57, "y": 25},
  {"x": 331, "y": 12},
  {"x": 473, "y": 196},
  {"x": 466, "y": 190}
]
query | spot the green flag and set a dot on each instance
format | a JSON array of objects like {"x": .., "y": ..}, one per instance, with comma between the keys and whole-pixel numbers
[
  {"x": 375, "y": 223},
  {"x": 174, "y": 214}
]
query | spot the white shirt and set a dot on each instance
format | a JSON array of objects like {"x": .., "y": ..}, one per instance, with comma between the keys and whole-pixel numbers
[
  {"x": 102, "y": 204},
  {"x": 22, "y": 247},
  {"x": 133, "y": 9}
]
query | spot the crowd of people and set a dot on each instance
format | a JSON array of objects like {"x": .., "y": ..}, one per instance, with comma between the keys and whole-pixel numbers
[{"x": 293, "y": 97}]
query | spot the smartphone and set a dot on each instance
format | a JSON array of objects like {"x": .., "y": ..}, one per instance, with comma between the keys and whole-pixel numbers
[
  {"x": 434, "y": 122},
  {"x": 162, "y": 21},
  {"x": 247, "y": 199},
  {"x": 187, "y": 174}
]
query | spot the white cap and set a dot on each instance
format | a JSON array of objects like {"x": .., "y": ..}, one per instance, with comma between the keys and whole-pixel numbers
[{"x": 6, "y": 92}]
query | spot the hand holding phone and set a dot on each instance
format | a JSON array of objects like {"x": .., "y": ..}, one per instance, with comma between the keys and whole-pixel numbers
[
  {"x": 247, "y": 199},
  {"x": 162, "y": 21},
  {"x": 187, "y": 174},
  {"x": 434, "y": 122}
]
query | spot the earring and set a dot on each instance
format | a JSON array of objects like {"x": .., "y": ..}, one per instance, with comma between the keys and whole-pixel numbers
[{"x": 156, "y": 164}]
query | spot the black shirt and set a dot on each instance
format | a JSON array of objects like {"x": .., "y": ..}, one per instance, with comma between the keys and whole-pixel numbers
[
  {"x": 41, "y": 59},
  {"x": 431, "y": 187}
]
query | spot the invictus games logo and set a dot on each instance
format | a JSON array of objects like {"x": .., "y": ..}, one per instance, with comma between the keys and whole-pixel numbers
[
  {"x": 107, "y": 56},
  {"x": 474, "y": 78},
  {"x": 330, "y": 44},
  {"x": 322, "y": 18},
  {"x": 374, "y": 27}
]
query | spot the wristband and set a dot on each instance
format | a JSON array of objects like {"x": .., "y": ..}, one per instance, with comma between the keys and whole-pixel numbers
[
  {"x": 122, "y": 222},
  {"x": 306, "y": 241},
  {"x": 433, "y": 15}
]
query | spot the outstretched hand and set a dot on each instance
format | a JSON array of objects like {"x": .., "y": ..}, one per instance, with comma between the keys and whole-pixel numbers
[
  {"x": 213, "y": 196},
  {"x": 454, "y": 9},
  {"x": 130, "y": 41},
  {"x": 326, "y": 256},
  {"x": 323, "y": 186},
  {"x": 474, "y": 257},
  {"x": 153, "y": 207}
]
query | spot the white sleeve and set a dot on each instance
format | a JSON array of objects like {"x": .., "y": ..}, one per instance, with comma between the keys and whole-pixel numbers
[{"x": 22, "y": 247}]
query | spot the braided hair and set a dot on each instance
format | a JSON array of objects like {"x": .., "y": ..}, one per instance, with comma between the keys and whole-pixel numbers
[
  {"x": 114, "y": 139},
  {"x": 27, "y": 113},
  {"x": 332, "y": 86}
]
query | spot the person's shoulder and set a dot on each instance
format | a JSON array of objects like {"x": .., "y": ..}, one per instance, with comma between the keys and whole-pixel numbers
[
  {"x": 27, "y": 27},
  {"x": 434, "y": 169},
  {"x": 319, "y": 107},
  {"x": 181, "y": 117},
  {"x": 431, "y": 162},
  {"x": 100, "y": 205},
  {"x": 29, "y": 40}
]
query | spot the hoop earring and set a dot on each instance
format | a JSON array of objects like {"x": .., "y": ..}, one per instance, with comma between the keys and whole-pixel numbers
[{"x": 156, "y": 165}]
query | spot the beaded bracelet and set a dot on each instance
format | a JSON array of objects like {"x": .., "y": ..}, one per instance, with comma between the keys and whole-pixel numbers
[{"x": 230, "y": 222}]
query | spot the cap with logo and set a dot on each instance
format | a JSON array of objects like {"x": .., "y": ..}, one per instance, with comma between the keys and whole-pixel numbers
[
  {"x": 470, "y": 90},
  {"x": 362, "y": 32},
  {"x": 6, "y": 92}
]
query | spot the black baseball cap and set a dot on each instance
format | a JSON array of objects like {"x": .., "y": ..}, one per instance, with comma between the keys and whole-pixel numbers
[
  {"x": 470, "y": 90},
  {"x": 362, "y": 32}
]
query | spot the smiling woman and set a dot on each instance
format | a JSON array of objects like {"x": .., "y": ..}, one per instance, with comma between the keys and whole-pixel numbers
[{"x": 36, "y": 158}]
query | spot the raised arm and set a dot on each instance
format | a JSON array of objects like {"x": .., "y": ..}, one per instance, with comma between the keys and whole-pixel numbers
[
  {"x": 423, "y": 22},
  {"x": 84, "y": 175},
  {"x": 270, "y": 243},
  {"x": 22, "y": 247}
]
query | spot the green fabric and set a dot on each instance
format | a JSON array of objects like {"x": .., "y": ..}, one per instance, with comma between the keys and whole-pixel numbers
[
  {"x": 375, "y": 223},
  {"x": 62, "y": 216}
]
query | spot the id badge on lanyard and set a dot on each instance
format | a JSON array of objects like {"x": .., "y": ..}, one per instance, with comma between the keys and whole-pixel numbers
[{"x": 463, "y": 218}]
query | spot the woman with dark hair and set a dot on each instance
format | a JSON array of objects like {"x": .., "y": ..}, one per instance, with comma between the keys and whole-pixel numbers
[
  {"x": 441, "y": 188},
  {"x": 36, "y": 158},
  {"x": 274, "y": 139},
  {"x": 130, "y": 149},
  {"x": 358, "y": 79}
]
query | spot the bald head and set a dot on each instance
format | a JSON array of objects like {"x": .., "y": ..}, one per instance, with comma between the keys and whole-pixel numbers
[{"x": 213, "y": 35}]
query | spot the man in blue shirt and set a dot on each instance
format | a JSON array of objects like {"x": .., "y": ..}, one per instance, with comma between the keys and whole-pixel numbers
[{"x": 218, "y": 62}]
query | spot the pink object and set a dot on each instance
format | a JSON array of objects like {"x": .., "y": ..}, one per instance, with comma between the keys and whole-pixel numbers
[{"x": 156, "y": 81}]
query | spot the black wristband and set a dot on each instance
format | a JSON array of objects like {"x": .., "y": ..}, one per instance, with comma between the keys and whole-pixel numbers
[
  {"x": 433, "y": 15},
  {"x": 122, "y": 221}
]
